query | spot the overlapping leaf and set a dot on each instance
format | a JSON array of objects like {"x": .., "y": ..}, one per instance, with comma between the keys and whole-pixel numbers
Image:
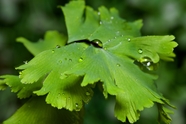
[
  {"x": 36, "y": 111},
  {"x": 51, "y": 40},
  {"x": 84, "y": 23},
  {"x": 22, "y": 90},
  {"x": 63, "y": 91}
]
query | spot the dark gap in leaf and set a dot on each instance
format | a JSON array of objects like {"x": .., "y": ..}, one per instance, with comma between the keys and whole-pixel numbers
[{"x": 96, "y": 43}]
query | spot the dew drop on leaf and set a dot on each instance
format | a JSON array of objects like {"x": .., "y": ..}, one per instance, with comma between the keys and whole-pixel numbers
[
  {"x": 97, "y": 43},
  {"x": 80, "y": 59},
  {"x": 57, "y": 46},
  {"x": 99, "y": 13},
  {"x": 70, "y": 60},
  {"x": 60, "y": 61},
  {"x": 77, "y": 106},
  {"x": 118, "y": 65},
  {"x": 128, "y": 39},
  {"x": 100, "y": 23},
  {"x": 52, "y": 51},
  {"x": 148, "y": 63},
  {"x": 111, "y": 17},
  {"x": 88, "y": 93},
  {"x": 59, "y": 95},
  {"x": 140, "y": 51},
  {"x": 63, "y": 76}
]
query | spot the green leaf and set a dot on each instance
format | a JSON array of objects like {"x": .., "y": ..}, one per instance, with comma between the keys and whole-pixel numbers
[
  {"x": 133, "y": 88},
  {"x": 22, "y": 90},
  {"x": 90, "y": 24},
  {"x": 111, "y": 51},
  {"x": 164, "y": 114},
  {"x": 63, "y": 91},
  {"x": 36, "y": 111},
  {"x": 51, "y": 40}
]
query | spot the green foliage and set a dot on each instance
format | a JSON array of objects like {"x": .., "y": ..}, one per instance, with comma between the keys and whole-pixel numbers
[
  {"x": 51, "y": 40},
  {"x": 36, "y": 111},
  {"x": 101, "y": 47}
]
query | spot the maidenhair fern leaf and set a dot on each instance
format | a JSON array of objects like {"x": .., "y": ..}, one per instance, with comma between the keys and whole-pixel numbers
[
  {"x": 36, "y": 111},
  {"x": 51, "y": 40},
  {"x": 89, "y": 24},
  {"x": 22, "y": 90},
  {"x": 101, "y": 47},
  {"x": 63, "y": 91}
]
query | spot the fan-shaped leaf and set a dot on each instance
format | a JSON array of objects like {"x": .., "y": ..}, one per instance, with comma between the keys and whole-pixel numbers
[
  {"x": 36, "y": 111},
  {"x": 22, "y": 90},
  {"x": 51, "y": 40}
]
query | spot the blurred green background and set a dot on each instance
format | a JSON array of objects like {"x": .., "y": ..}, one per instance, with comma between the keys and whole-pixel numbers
[{"x": 31, "y": 18}]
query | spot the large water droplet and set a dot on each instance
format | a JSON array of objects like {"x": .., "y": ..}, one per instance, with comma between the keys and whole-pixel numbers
[
  {"x": 140, "y": 51},
  {"x": 129, "y": 39},
  {"x": 97, "y": 43},
  {"x": 100, "y": 22},
  {"x": 148, "y": 63}
]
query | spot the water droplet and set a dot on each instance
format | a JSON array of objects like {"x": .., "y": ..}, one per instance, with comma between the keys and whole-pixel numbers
[
  {"x": 129, "y": 39},
  {"x": 59, "y": 96},
  {"x": 117, "y": 32},
  {"x": 148, "y": 63},
  {"x": 100, "y": 23},
  {"x": 70, "y": 60},
  {"x": 80, "y": 59},
  {"x": 57, "y": 46},
  {"x": 87, "y": 93},
  {"x": 76, "y": 105},
  {"x": 118, "y": 65},
  {"x": 53, "y": 51},
  {"x": 122, "y": 35},
  {"x": 111, "y": 17},
  {"x": 109, "y": 40},
  {"x": 140, "y": 51},
  {"x": 60, "y": 61},
  {"x": 99, "y": 13},
  {"x": 63, "y": 76},
  {"x": 97, "y": 43}
]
